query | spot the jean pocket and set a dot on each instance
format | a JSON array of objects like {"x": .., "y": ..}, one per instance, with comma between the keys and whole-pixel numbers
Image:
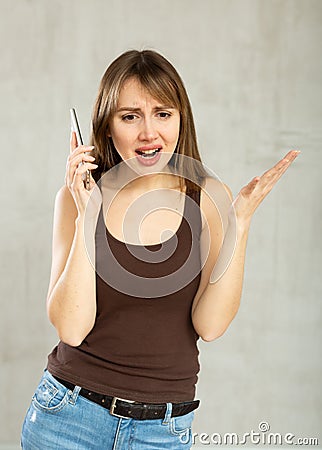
[
  {"x": 51, "y": 397},
  {"x": 181, "y": 426}
]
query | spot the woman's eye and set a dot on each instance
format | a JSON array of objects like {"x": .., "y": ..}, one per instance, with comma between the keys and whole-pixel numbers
[
  {"x": 164, "y": 115},
  {"x": 128, "y": 117}
]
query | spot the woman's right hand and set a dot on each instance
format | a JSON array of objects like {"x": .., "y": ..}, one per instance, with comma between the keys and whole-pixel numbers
[{"x": 74, "y": 178}]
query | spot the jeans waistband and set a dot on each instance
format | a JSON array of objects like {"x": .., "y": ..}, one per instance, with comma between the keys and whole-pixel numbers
[{"x": 131, "y": 409}]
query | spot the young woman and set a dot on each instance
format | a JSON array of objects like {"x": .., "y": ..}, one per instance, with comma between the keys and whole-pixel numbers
[{"x": 144, "y": 262}]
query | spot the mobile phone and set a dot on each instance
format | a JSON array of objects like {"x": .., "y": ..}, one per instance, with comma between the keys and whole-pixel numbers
[{"x": 76, "y": 128}]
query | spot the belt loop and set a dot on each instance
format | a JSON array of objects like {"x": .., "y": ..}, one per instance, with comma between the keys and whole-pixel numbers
[
  {"x": 168, "y": 413},
  {"x": 74, "y": 395}
]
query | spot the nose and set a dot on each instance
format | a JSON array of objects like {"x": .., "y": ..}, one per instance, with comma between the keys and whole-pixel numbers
[{"x": 148, "y": 131}]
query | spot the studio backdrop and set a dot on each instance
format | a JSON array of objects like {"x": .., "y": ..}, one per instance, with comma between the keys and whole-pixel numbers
[{"x": 253, "y": 71}]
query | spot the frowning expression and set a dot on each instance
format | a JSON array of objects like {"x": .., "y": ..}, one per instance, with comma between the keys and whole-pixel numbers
[{"x": 142, "y": 127}]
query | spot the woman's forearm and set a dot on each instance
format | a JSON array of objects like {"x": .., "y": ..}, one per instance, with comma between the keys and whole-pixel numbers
[
  {"x": 220, "y": 301},
  {"x": 71, "y": 305}
]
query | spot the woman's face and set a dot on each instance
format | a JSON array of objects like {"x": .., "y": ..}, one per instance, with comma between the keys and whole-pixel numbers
[{"x": 144, "y": 129}]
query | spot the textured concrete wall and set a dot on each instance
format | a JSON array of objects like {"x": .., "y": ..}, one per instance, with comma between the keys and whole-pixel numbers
[{"x": 253, "y": 69}]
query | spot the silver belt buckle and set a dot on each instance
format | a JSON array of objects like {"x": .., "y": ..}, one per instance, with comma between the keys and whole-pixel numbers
[{"x": 113, "y": 406}]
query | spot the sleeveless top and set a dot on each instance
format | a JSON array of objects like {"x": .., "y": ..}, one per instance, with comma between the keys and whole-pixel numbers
[{"x": 143, "y": 346}]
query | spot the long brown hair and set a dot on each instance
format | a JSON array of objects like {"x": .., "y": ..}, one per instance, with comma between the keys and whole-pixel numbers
[{"x": 163, "y": 82}]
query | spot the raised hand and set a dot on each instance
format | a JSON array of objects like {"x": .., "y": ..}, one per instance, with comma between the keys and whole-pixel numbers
[
  {"x": 74, "y": 176},
  {"x": 251, "y": 195}
]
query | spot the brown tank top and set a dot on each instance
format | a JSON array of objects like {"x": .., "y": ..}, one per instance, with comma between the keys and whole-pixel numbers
[{"x": 143, "y": 346}]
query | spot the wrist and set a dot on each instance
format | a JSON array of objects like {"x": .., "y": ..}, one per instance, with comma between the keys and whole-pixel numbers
[
  {"x": 240, "y": 224},
  {"x": 242, "y": 227}
]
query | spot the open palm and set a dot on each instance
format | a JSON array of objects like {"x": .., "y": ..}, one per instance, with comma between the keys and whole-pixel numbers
[{"x": 251, "y": 195}]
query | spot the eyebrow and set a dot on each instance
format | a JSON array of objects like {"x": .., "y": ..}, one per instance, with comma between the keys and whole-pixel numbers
[{"x": 131, "y": 109}]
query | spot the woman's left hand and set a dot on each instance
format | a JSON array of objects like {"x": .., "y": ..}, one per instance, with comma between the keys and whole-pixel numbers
[{"x": 251, "y": 195}]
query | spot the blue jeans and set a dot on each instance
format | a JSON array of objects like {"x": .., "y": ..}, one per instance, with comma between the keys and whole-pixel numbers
[{"x": 61, "y": 419}]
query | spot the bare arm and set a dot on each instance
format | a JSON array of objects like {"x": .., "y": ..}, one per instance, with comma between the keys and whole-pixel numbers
[
  {"x": 71, "y": 299},
  {"x": 217, "y": 303}
]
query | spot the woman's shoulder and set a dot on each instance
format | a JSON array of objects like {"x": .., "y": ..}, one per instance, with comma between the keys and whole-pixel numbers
[
  {"x": 214, "y": 186},
  {"x": 215, "y": 200}
]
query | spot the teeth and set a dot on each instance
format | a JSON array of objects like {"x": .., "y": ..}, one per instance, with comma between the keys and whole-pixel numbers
[
  {"x": 148, "y": 155},
  {"x": 149, "y": 152}
]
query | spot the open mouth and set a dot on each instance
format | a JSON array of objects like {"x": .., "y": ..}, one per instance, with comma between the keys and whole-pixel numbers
[{"x": 148, "y": 154}]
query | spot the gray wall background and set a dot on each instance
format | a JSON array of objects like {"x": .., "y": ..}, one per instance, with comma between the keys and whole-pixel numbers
[{"x": 253, "y": 70}]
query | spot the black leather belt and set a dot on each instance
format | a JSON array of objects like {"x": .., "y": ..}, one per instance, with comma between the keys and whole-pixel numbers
[{"x": 133, "y": 410}]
